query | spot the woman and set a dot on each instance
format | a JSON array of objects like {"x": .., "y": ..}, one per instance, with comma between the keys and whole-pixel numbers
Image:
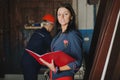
[{"x": 67, "y": 40}]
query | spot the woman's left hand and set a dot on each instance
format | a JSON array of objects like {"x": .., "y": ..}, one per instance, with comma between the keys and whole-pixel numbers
[{"x": 51, "y": 65}]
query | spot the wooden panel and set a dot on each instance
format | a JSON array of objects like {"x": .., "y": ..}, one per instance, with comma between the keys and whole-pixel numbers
[
  {"x": 1, "y": 42},
  {"x": 108, "y": 24},
  {"x": 113, "y": 71},
  {"x": 18, "y": 12},
  {"x": 96, "y": 33},
  {"x": 3, "y": 29}
]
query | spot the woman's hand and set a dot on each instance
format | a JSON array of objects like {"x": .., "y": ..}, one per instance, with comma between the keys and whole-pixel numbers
[{"x": 51, "y": 65}]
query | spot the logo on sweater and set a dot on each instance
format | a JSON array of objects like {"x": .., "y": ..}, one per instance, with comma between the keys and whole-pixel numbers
[{"x": 65, "y": 43}]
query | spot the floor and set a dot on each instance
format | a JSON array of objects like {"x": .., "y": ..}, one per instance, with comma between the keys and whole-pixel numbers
[
  {"x": 20, "y": 77},
  {"x": 79, "y": 76}
]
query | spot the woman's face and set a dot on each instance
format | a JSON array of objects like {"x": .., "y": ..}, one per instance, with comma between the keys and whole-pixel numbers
[{"x": 63, "y": 16}]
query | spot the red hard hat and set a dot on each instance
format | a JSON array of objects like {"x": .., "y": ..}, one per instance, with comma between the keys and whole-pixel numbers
[{"x": 48, "y": 17}]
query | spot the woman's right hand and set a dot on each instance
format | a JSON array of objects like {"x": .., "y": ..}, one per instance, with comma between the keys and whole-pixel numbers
[{"x": 51, "y": 65}]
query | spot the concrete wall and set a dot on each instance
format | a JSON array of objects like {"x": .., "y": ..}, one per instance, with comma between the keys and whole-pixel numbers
[{"x": 86, "y": 16}]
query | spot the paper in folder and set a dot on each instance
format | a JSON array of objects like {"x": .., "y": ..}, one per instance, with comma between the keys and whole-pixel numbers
[{"x": 60, "y": 58}]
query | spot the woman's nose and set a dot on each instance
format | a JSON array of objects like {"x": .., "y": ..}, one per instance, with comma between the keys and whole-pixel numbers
[{"x": 62, "y": 16}]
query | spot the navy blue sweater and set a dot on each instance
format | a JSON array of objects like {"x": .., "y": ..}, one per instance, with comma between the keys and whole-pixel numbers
[
  {"x": 71, "y": 44},
  {"x": 40, "y": 41}
]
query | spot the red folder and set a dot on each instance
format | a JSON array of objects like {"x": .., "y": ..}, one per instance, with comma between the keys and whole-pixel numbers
[{"x": 60, "y": 58}]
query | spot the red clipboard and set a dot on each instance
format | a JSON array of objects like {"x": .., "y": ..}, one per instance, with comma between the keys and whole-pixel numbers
[{"x": 60, "y": 58}]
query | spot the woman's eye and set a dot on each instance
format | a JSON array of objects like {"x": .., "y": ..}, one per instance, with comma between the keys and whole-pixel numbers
[{"x": 66, "y": 14}]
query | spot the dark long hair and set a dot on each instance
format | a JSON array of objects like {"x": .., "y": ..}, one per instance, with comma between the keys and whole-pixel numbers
[{"x": 71, "y": 24}]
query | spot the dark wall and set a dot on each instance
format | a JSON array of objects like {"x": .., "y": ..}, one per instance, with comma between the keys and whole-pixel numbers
[{"x": 13, "y": 36}]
